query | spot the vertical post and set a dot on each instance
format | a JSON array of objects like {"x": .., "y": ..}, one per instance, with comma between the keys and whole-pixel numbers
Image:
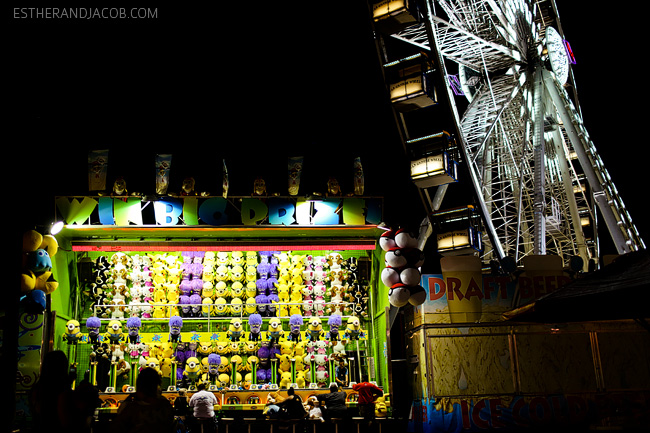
[
  {"x": 359, "y": 360},
  {"x": 539, "y": 174},
  {"x": 274, "y": 371},
  {"x": 114, "y": 375},
  {"x": 172, "y": 378}
]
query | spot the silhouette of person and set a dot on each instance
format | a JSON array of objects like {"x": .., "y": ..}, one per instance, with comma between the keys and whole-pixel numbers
[
  {"x": 52, "y": 398},
  {"x": 146, "y": 411}
]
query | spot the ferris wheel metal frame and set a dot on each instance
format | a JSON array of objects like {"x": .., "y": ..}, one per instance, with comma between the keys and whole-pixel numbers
[{"x": 535, "y": 172}]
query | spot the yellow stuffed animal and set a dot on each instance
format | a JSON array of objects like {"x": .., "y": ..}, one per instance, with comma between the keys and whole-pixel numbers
[
  {"x": 300, "y": 379},
  {"x": 224, "y": 379},
  {"x": 38, "y": 251},
  {"x": 153, "y": 362},
  {"x": 285, "y": 379},
  {"x": 285, "y": 362},
  {"x": 381, "y": 410}
]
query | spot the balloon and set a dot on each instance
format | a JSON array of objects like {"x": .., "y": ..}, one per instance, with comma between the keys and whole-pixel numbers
[
  {"x": 398, "y": 295},
  {"x": 390, "y": 276},
  {"x": 410, "y": 276},
  {"x": 387, "y": 240},
  {"x": 418, "y": 295}
]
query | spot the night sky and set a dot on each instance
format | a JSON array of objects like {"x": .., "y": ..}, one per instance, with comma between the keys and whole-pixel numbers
[{"x": 253, "y": 86}]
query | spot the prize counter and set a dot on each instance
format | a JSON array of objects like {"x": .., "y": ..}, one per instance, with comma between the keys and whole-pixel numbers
[
  {"x": 230, "y": 402},
  {"x": 246, "y": 309}
]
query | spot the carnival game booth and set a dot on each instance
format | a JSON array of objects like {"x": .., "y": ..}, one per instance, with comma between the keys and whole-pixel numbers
[{"x": 251, "y": 295}]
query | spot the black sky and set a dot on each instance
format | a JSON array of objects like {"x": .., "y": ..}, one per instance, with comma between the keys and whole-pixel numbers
[{"x": 254, "y": 85}]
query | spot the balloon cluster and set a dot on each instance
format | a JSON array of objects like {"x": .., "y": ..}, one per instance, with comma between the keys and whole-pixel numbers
[{"x": 401, "y": 273}]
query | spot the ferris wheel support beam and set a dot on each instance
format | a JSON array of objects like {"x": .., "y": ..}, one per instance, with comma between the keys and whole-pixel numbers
[
  {"x": 562, "y": 159},
  {"x": 598, "y": 192},
  {"x": 539, "y": 174}
]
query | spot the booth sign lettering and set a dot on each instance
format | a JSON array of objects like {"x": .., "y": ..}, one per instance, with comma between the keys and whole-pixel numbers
[
  {"x": 218, "y": 211},
  {"x": 484, "y": 298}
]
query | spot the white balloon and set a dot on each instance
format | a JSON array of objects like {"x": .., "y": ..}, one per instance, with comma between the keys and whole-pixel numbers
[
  {"x": 418, "y": 295},
  {"x": 404, "y": 239},
  {"x": 410, "y": 276},
  {"x": 387, "y": 240},
  {"x": 398, "y": 295},
  {"x": 395, "y": 258},
  {"x": 390, "y": 276}
]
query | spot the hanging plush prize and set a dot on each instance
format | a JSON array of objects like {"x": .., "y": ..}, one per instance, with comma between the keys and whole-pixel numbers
[
  {"x": 358, "y": 177},
  {"x": 119, "y": 188},
  {"x": 175, "y": 325},
  {"x": 114, "y": 332},
  {"x": 133, "y": 327},
  {"x": 255, "y": 324},
  {"x": 335, "y": 321},
  {"x": 38, "y": 251},
  {"x": 259, "y": 187},
  {"x": 92, "y": 325},
  {"x": 97, "y": 168},
  {"x": 333, "y": 187},
  {"x": 295, "y": 323},
  {"x": 214, "y": 361},
  {"x": 187, "y": 188},
  {"x": 225, "y": 183},
  {"x": 163, "y": 165},
  {"x": 72, "y": 332},
  {"x": 235, "y": 329},
  {"x": 401, "y": 274},
  {"x": 295, "y": 170}
]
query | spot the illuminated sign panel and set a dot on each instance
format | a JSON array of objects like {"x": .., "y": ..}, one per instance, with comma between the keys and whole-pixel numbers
[{"x": 219, "y": 211}]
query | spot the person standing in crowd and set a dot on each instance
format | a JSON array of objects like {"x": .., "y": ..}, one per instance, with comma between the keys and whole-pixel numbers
[
  {"x": 342, "y": 373},
  {"x": 181, "y": 408},
  {"x": 333, "y": 403},
  {"x": 368, "y": 393},
  {"x": 293, "y": 406},
  {"x": 146, "y": 411},
  {"x": 203, "y": 402},
  {"x": 52, "y": 398},
  {"x": 180, "y": 403}
]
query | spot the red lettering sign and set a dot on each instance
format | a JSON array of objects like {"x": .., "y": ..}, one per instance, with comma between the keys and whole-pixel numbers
[
  {"x": 437, "y": 288},
  {"x": 473, "y": 290},
  {"x": 453, "y": 288}
]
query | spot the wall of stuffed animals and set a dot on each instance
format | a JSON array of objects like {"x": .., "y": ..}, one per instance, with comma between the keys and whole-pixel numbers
[{"x": 233, "y": 319}]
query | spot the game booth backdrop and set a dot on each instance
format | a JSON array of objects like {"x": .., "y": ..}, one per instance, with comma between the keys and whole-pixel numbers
[{"x": 248, "y": 294}]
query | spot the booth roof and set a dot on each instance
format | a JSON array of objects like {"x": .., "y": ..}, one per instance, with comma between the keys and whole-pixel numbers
[{"x": 618, "y": 291}]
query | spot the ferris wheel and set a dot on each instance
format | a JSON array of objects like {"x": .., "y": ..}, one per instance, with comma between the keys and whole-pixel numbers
[{"x": 500, "y": 69}]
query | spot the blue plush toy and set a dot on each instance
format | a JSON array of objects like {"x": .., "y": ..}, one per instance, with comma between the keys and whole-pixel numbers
[
  {"x": 39, "y": 261},
  {"x": 133, "y": 326},
  {"x": 93, "y": 324},
  {"x": 255, "y": 323},
  {"x": 334, "y": 323},
  {"x": 295, "y": 323},
  {"x": 214, "y": 361},
  {"x": 175, "y": 325},
  {"x": 261, "y": 301}
]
